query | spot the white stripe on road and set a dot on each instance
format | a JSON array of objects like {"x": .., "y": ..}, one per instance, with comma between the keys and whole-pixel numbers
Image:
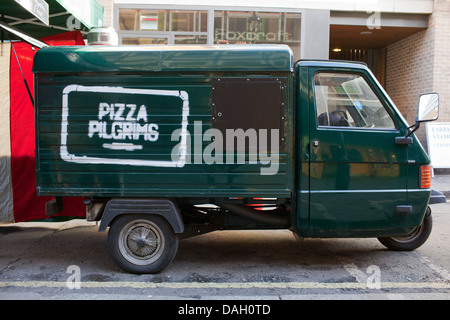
[
  {"x": 441, "y": 271},
  {"x": 227, "y": 285}
]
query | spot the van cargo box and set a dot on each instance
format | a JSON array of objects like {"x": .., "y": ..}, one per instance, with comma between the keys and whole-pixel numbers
[{"x": 144, "y": 121}]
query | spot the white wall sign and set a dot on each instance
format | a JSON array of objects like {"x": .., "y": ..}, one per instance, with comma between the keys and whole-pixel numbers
[{"x": 438, "y": 140}]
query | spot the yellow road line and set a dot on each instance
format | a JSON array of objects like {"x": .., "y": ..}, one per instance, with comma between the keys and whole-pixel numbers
[{"x": 226, "y": 285}]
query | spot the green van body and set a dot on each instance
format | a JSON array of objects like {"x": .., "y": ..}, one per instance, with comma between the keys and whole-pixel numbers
[{"x": 105, "y": 123}]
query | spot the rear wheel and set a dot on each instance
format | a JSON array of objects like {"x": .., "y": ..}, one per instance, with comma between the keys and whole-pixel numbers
[
  {"x": 414, "y": 239},
  {"x": 142, "y": 244}
]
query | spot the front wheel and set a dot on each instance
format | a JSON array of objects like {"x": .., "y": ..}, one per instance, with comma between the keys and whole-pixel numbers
[
  {"x": 414, "y": 239},
  {"x": 142, "y": 244}
]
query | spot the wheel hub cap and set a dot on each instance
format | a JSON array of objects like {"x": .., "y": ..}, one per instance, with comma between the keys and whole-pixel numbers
[{"x": 141, "y": 242}]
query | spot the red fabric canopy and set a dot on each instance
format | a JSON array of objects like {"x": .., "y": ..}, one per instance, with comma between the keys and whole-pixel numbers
[{"x": 26, "y": 204}]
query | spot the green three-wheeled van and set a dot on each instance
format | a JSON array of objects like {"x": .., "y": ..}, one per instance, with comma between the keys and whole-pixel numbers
[{"x": 168, "y": 142}]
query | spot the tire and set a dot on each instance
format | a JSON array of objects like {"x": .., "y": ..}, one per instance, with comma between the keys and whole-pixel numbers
[
  {"x": 414, "y": 239},
  {"x": 142, "y": 243}
]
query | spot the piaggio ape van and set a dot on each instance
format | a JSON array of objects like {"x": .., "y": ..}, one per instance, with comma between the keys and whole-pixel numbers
[{"x": 167, "y": 142}]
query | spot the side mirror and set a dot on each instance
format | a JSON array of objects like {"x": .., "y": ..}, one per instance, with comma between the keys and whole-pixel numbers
[
  {"x": 428, "y": 111},
  {"x": 428, "y": 107}
]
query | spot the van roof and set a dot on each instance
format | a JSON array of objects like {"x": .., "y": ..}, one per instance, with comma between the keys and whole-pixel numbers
[
  {"x": 332, "y": 63},
  {"x": 69, "y": 59}
]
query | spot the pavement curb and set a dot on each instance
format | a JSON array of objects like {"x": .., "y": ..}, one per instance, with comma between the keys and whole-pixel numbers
[{"x": 441, "y": 183}]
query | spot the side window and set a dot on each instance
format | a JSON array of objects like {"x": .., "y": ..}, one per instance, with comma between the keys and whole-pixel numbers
[{"x": 347, "y": 100}]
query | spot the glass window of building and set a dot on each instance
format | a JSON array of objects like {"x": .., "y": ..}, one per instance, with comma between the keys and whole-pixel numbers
[
  {"x": 139, "y": 26},
  {"x": 152, "y": 20},
  {"x": 185, "y": 27},
  {"x": 163, "y": 20},
  {"x": 188, "y": 21},
  {"x": 242, "y": 27}
]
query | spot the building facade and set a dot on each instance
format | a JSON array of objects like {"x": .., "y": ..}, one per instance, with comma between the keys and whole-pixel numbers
[{"x": 406, "y": 43}]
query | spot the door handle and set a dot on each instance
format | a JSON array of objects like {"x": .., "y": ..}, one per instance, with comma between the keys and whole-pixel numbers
[{"x": 403, "y": 140}]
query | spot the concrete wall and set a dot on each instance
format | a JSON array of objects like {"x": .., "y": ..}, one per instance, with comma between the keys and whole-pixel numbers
[{"x": 315, "y": 45}]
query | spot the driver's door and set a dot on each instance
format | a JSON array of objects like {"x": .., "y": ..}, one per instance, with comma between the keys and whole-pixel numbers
[{"x": 357, "y": 172}]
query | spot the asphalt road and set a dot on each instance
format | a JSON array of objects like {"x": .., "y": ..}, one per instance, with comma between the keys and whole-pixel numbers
[{"x": 61, "y": 261}]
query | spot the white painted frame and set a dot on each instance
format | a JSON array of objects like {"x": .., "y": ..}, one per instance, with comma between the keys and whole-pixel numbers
[{"x": 66, "y": 156}]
